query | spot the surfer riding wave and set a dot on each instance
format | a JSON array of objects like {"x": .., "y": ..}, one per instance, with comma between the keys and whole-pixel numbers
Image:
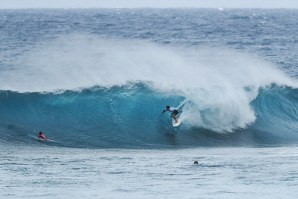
[{"x": 174, "y": 112}]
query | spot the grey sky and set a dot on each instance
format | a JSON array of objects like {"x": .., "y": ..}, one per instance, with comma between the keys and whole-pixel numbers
[{"x": 148, "y": 3}]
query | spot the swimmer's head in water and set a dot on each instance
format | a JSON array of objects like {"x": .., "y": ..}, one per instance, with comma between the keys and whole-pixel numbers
[{"x": 168, "y": 107}]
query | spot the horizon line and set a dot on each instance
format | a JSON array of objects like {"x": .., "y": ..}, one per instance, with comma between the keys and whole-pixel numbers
[{"x": 148, "y": 7}]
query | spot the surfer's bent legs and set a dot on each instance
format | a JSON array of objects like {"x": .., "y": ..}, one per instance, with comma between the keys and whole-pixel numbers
[{"x": 174, "y": 115}]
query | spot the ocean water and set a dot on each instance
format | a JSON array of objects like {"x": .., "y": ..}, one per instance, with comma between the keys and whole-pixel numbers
[
  {"x": 96, "y": 80},
  {"x": 121, "y": 173}
]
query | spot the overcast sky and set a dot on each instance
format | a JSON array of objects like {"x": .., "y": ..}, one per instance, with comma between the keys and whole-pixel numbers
[{"x": 148, "y": 3}]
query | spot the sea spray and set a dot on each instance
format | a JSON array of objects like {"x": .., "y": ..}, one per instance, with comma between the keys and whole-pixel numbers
[{"x": 103, "y": 84}]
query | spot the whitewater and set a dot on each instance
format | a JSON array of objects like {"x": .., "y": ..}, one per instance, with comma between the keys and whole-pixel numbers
[{"x": 95, "y": 81}]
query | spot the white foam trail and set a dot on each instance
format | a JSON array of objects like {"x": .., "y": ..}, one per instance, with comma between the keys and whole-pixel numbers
[{"x": 219, "y": 83}]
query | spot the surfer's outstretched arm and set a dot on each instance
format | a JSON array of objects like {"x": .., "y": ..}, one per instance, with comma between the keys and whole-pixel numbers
[{"x": 167, "y": 109}]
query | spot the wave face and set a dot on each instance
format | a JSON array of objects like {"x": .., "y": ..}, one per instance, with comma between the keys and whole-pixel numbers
[
  {"x": 100, "y": 78},
  {"x": 130, "y": 117}
]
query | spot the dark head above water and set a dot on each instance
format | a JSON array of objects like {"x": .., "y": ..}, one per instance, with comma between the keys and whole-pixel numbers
[{"x": 195, "y": 162}]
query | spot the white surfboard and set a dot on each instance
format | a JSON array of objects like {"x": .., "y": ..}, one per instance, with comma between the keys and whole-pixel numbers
[{"x": 176, "y": 123}]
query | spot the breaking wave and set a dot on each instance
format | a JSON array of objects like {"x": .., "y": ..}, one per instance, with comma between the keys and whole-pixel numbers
[{"x": 84, "y": 91}]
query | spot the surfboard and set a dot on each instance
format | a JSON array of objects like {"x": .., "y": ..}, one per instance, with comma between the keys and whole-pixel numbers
[
  {"x": 176, "y": 124},
  {"x": 41, "y": 140}
]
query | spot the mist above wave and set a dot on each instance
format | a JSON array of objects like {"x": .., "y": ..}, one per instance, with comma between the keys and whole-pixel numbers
[
  {"x": 80, "y": 61},
  {"x": 219, "y": 84}
]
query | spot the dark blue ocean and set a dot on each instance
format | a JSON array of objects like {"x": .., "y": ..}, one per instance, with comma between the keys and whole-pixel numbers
[{"x": 98, "y": 79}]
